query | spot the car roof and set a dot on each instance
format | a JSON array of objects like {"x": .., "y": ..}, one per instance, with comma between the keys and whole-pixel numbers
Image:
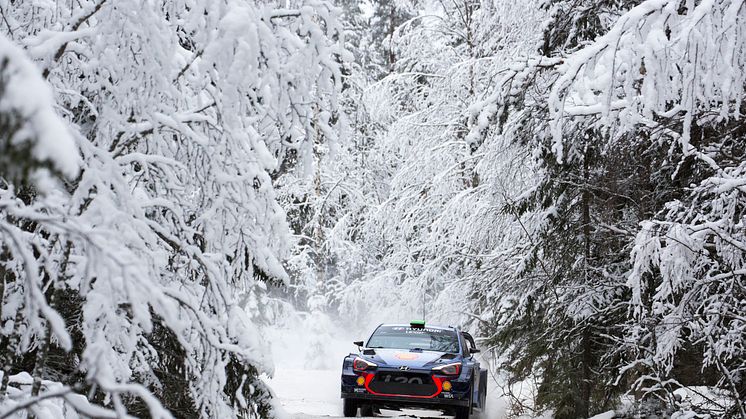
[{"x": 427, "y": 326}]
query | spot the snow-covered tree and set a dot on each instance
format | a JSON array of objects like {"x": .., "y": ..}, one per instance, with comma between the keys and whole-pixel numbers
[
  {"x": 683, "y": 91},
  {"x": 36, "y": 148},
  {"x": 633, "y": 110},
  {"x": 171, "y": 231},
  {"x": 407, "y": 203}
]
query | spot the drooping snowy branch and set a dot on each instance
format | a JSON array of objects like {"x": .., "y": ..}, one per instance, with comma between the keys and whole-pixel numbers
[{"x": 158, "y": 255}]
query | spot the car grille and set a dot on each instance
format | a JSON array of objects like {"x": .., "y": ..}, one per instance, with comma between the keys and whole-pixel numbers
[{"x": 403, "y": 383}]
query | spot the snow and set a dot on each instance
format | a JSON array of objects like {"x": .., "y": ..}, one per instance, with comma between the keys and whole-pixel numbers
[
  {"x": 46, "y": 43},
  {"x": 305, "y": 393},
  {"x": 174, "y": 217},
  {"x": 606, "y": 415},
  {"x": 52, "y": 401},
  {"x": 250, "y": 186},
  {"x": 26, "y": 93}
]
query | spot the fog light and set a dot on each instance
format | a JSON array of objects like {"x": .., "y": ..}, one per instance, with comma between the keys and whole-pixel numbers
[
  {"x": 447, "y": 386},
  {"x": 360, "y": 381}
]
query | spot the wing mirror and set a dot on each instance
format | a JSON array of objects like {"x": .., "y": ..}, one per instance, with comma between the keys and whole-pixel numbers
[
  {"x": 358, "y": 343},
  {"x": 474, "y": 351}
]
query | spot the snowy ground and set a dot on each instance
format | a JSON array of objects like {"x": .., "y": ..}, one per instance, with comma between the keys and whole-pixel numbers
[{"x": 308, "y": 393}]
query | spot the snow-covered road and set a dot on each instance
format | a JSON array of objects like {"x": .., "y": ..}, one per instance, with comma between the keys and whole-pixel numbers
[{"x": 308, "y": 393}]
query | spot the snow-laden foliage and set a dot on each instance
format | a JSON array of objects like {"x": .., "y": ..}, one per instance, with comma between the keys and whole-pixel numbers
[
  {"x": 36, "y": 147},
  {"x": 674, "y": 72},
  {"x": 567, "y": 179},
  {"x": 33, "y": 136},
  {"x": 657, "y": 64},
  {"x": 409, "y": 207},
  {"x": 635, "y": 112},
  {"x": 157, "y": 257}
]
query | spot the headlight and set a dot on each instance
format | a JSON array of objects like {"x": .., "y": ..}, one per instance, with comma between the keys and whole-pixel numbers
[
  {"x": 449, "y": 369},
  {"x": 359, "y": 364}
]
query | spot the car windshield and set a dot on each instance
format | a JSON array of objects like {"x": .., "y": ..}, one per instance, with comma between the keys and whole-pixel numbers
[{"x": 403, "y": 337}]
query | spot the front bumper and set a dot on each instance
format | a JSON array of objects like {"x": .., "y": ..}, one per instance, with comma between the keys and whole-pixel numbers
[
  {"x": 457, "y": 396},
  {"x": 396, "y": 402}
]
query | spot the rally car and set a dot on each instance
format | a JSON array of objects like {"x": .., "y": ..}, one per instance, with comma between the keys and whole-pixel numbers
[{"x": 414, "y": 366}]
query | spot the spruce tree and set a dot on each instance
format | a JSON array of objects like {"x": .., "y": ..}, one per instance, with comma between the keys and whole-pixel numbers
[
  {"x": 564, "y": 320},
  {"x": 638, "y": 209}
]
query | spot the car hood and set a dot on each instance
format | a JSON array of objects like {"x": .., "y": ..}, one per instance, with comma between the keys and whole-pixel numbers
[{"x": 411, "y": 359}]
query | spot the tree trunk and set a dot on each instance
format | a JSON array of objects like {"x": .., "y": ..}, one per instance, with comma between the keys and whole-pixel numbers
[
  {"x": 8, "y": 354},
  {"x": 582, "y": 408}
]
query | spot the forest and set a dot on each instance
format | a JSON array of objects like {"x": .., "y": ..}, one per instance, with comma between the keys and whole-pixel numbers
[{"x": 566, "y": 179}]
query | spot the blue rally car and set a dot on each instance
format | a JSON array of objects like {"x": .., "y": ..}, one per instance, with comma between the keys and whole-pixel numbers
[{"x": 414, "y": 366}]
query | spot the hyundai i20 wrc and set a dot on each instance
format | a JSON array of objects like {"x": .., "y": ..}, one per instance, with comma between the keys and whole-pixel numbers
[{"x": 414, "y": 366}]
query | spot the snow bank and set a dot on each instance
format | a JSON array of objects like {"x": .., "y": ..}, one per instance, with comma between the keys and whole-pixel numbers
[
  {"x": 55, "y": 401},
  {"x": 606, "y": 415}
]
